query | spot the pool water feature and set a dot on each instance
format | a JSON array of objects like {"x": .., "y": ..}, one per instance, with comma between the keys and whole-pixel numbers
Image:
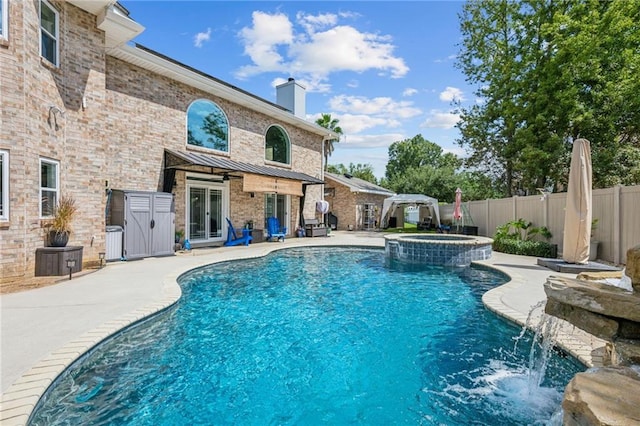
[
  {"x": 437, "y": 249},
  {"x": 314, "y": 336}
]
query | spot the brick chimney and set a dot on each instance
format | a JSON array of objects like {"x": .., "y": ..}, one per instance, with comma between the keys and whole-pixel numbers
[{"x": 291, "y": 95}]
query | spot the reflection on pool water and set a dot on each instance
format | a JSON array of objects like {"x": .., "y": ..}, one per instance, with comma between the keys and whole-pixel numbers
[{"x": 313, "y": 336}]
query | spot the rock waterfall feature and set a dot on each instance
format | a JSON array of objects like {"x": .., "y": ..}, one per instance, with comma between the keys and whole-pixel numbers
[{"x": 610, "y": 394}]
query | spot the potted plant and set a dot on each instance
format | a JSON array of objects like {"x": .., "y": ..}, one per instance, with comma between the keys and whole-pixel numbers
[
  {"x": 179, "y": 235},
  {"x": 60, "y": 226}
]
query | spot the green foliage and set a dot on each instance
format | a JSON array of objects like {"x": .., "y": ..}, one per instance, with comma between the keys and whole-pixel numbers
[
  {"x": 361, "y": 171},
  {"x": 526, "y": 248},
  {"x": 549, "y": 72},
  {"x": 418, "y": 166},
  {"x": 521, "y": 230},
  {"x": 415, "y": 153},
  {"x": 327, "y": 122},
  {"x": 518, "y": 237}
]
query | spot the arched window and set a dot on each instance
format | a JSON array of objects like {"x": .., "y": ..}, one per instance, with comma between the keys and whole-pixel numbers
[
  {"x": 207, "y": 126},
  {"x": 277, "y": 146}
]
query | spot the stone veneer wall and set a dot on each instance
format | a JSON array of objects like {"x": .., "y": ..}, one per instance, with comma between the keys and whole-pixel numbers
[{"x": 131, "y": 115}]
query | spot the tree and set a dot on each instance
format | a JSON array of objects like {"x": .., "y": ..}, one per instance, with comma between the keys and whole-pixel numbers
[
  {"x": 548, "y": 73},
  {"x": 412, "y": 153},
  {"x": 332, "y": 124},
  {"x": 361, "y": 171}
]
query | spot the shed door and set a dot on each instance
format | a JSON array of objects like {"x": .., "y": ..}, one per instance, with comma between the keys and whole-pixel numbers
[
  {"x": 162, "y": 233},
  {"x": 137, "y": 221}
]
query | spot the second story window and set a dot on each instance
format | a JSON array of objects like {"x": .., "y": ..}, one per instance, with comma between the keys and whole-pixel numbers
[
  {"x": 49, "y": 184},
  {"x": 207, "y": 126},
  {"x": 277, "y": 147},
  {"x": 4, "y": 19},
  {"x": 48, "y": 32}
]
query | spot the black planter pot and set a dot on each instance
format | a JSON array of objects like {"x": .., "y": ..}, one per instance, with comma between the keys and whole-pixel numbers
[{"x": 58, "y": 239}]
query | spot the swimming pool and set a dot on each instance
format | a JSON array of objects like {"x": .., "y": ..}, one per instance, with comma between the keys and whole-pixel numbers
[{"x": 314, "y": 336}]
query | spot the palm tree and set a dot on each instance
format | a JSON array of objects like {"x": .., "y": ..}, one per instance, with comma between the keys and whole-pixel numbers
[{"x": 332, "y": 124}]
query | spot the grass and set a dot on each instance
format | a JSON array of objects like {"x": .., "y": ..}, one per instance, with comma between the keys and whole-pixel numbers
[{"x": 408, "y": 228}]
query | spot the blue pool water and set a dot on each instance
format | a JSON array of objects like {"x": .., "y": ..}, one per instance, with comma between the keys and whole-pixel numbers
[{"x": 314, "y": 336}]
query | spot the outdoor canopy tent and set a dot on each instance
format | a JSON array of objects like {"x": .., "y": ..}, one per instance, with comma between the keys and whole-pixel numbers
[{"x": 390, "y": 205}]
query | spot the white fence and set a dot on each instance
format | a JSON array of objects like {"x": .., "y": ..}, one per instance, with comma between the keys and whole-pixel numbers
[{"x": 617, "y": 210}]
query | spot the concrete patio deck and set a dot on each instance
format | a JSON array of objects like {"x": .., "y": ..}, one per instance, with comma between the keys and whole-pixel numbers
[{"x": 44, "y": 330}]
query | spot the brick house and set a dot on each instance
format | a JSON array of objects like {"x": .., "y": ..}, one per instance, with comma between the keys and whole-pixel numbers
[
  {"x": 84, "y": 113},
  {"x": 355, "y": 202}
]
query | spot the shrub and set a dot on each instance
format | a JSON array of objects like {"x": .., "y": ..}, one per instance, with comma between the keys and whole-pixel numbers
[
  {"x": 526, "y": 248},
  {"x": 521, "y": 230},
  {"x": 518, "y": 237}
]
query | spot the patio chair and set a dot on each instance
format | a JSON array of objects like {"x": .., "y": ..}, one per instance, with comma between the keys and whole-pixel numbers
[
  {"x": 233, "y": 239},
  {"x": 425, "y": 225},
  {"x": 274, "y": 230}
]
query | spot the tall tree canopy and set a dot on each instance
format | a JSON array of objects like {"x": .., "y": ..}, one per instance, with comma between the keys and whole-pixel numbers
[
  {"x": 549, "y": 72},
  {"x": 332, "y": 124},
  {"x": 418, "y": 166}
]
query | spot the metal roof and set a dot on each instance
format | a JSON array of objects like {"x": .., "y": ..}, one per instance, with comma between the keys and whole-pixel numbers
[
  {"x": 180, "y": 159},
  {"x": 358, "y": 185}
]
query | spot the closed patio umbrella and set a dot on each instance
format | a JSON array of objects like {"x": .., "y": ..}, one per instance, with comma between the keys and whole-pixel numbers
[
  {"x": 457, "y": 212},
  {"x": 578, "y": 211}
]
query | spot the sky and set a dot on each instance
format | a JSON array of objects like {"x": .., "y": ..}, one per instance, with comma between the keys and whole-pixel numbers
[{"x": 384, "y": 69}]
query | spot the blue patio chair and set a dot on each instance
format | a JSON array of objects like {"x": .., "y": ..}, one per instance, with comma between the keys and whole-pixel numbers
[
  {"x": 274, "y": 230},
  {"x": 233, "y": 239}
]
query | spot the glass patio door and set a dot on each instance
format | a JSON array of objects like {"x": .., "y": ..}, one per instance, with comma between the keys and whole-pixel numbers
[
  {"x": 277, "y": 205},
  {"x": 205, "y": 213}
]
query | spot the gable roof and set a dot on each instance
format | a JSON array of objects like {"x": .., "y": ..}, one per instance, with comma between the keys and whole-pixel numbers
[
  {"x": 358, "y": 185},
  {"x": 158, "y": 63}
]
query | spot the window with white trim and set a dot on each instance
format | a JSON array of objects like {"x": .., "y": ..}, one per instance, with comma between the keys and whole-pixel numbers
[
  {"x": 4, "y": 19},
  {"x": 49, "y": 32},
  {"x": 49, "y": 186},
  {"x": 277, "y": 145},
  {"x": 207, "y": 126},
  {"x": 4, "y": 185}
]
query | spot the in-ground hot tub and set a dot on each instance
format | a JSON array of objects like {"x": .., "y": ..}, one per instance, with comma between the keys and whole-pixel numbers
[{"x": 437, "y": 249}]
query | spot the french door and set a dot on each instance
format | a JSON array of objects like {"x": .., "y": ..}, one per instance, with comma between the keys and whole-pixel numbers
[
  {"x": 207, "y": 207},
  {"x": 277, "y": 205}
]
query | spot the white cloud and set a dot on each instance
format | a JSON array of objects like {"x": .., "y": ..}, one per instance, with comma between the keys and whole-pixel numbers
[
  {"x": 441, "y": 120},
  {"x": 366, "y": 149},
  {"x": 409, "y": 92},
  {"x": 200, "y": 38},
  {"x": 447, "y": 59},
  {"x": 451, "y": 93},
  {"x": 374, "y": 106},
  {"x": 313, "y": 23},
  {"x": 370, "y": 141},
  {"x": 356, "y": 123},
  {"x": 315, "y": 48},
  {"x": 262, "y": 40}
]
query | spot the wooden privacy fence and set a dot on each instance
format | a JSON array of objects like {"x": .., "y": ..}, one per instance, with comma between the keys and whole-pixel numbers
[{"x": 617, "y": 210}]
